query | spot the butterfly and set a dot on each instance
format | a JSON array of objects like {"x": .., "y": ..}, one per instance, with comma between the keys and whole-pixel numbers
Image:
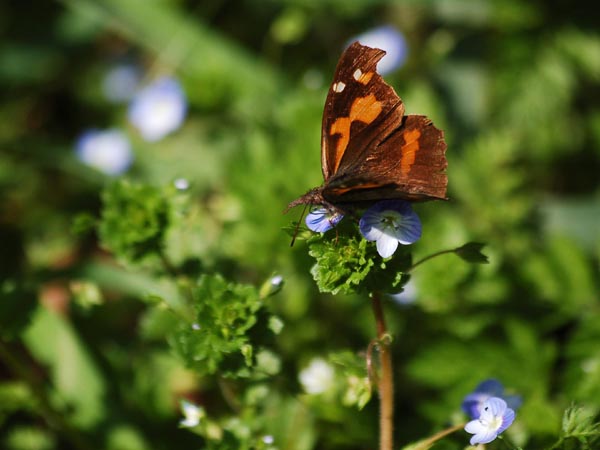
[{"x": 370, "y": 150}]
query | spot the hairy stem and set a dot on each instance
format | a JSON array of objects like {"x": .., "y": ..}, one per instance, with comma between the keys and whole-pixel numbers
[
  {"x": 427, "y": 443},
  {"x": 386, "y": 381}
]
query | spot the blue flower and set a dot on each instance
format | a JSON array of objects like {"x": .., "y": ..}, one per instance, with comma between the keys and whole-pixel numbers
[
  {"x": 408, "y": 295},
  {"x": 158, "y": 109},
  {"x": 121, "y": 82},
  {"x": 109, "y": 151},
  {"x": 389, "y": 39},
  {"x": 390, "y": 222},
  {"x": 472, "y": 405},
  {"x": 322, "y": 219},
  {"x": 495, "y": 417}
]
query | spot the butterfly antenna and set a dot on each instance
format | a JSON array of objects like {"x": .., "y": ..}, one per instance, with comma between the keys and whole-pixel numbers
[{"x": 298, "y": 225}]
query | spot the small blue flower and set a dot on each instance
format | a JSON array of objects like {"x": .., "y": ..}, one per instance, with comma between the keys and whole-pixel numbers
[
  {"x": 495, "y": 417},
  {"x": 322, "y": 219},
  {"x": 158, "y": 109},
  {"x": 121, "y": 82},
  {"x": 408, "y": 295},
  {"x": 389, "y": 39},
  {"x": 390, "y": 222},
  {"x": 108, "y": 151},
  {"x": 472, "y": 405}
]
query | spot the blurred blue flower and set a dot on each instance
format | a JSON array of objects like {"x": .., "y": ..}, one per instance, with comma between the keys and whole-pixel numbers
[
  {"x": 390, "y": 222},
  {"x": 322, "y": 219},
  {"x": 495, "y": 417},
  {"x": 109, "y": 151},
  {"x": 408, "y": 295},
  {"x": 472, "y": 405},
  {"x": 181, "y": 184},
  {"x": 121, "y": 82},
  {"x": 389, "y": 39},
  {"x": 192, "y": 414},
  {"x": 158, "y": 109}
]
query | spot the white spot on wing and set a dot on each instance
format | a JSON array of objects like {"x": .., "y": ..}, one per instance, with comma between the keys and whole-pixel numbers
[
  {"x": 357, "y": 74},
  {"x": 339, "y": 86}
]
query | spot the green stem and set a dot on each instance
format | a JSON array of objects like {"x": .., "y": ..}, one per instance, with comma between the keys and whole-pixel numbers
[
  {"x": 427, "y": 258},
  {"x": 386, "y": 381},
  {"x": 55, "y": 419}
]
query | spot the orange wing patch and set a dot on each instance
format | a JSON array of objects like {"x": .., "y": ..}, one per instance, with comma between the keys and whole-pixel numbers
[
  {"x": 409, "y": 150},
  {"x": 365, "y": 109}
]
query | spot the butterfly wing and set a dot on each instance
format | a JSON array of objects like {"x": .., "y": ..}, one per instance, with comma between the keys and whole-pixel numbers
[
  {"x": 409, "y": 164},
  {"x": 361, "y": 110},
  {"x": 370, "y": 150}
]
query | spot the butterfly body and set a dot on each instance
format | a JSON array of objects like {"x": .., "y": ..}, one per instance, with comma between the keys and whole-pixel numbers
[{"x": 370, "y": 150}]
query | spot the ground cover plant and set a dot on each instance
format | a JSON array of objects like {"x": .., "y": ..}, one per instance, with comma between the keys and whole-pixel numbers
[{"x": 149, "y": 295}]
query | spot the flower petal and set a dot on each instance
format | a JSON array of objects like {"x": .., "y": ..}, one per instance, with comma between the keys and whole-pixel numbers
[
  {"x": 158, "y": 109},
  {"x": 370, "y": 226},
  {"x": 494, "y": 407},
  {"x": 108, "y": 151},
  {"x": 409, "y": 230},
  {"x": 321, "y": 220},
  {"x": 386, "y": 245},
  {"x": 491, "y": 387},
  {"x": 507, "y": 419}
]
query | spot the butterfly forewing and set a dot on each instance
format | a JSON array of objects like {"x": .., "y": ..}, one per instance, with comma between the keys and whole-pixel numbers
[{"x": 361, "y": 110}]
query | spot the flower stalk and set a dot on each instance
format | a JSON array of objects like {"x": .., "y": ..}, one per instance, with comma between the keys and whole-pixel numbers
[{"x": 386, "y": 381}]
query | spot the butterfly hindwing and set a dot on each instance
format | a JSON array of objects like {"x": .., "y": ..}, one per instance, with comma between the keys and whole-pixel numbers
[{"x": 409, "y": 164}]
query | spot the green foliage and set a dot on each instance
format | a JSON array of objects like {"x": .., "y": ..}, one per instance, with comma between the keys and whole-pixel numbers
[
  {"x": 134, "y": 220},
  {"x": 119, "y": 297},
  {"x": 16, "y": 308},
  {"x": 225, "y": 316},
  {"x": 348, "y": 263},
  {"x": 579, "y": 429}
]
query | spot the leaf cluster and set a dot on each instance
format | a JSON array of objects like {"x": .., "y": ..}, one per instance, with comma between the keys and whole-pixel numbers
[
  {"x": 135, "y": 218},
  {"x": 218, "y": 337},
  {"x": 347, "y": 263}
]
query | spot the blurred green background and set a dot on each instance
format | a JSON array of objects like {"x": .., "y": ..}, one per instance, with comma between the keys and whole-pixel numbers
[{"x": 84, "y": 358}]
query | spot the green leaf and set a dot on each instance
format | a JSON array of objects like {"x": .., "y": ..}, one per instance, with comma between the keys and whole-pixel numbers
[
  {"x": 53, "y": 341},
  {"x": 471, "y": 252}
]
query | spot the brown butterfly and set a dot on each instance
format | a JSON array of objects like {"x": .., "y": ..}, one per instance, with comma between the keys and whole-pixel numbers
[{"x": 370, "y": 150}]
